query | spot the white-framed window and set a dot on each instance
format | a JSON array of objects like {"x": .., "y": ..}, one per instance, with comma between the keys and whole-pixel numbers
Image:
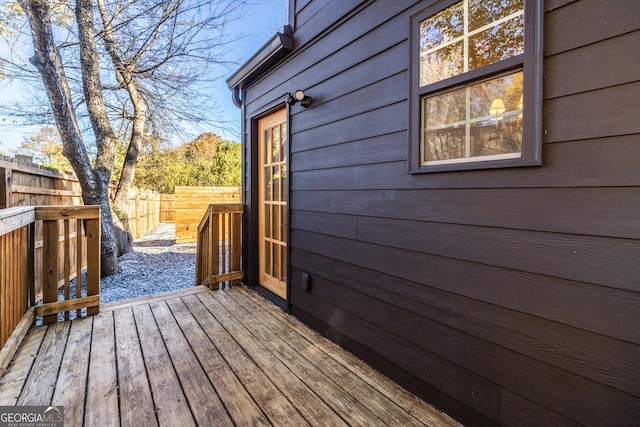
[{"x": 475, "y": 85}]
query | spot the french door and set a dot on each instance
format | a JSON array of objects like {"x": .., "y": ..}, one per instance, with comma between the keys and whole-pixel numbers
[{"x": 273, "y": 192}]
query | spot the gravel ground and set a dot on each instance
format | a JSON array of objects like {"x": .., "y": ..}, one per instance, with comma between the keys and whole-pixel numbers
[{"x": 157, "y": 265}]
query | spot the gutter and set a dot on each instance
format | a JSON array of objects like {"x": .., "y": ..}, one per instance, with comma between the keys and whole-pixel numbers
[{"x": 275, "y": 49}]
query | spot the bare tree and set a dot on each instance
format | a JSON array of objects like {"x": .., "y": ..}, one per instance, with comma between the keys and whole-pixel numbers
[{"x": 141, "y": 60}]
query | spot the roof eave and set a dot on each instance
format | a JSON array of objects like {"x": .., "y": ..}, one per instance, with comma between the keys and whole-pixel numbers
[{"x": 276, "y": 48}]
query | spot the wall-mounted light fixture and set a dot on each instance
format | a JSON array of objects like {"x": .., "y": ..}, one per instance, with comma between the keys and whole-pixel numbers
[{"x": 300, "y": 97}]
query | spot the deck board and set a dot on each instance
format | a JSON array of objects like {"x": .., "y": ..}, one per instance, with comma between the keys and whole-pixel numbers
[
  {"x": 197, "y": 387},
  {"x": 272, "y": 331},
  {"x": 269, "y": 398},
  {"x": 409, "y": 402},
  {"x": 302, "y": 397},
  {"x": 168, "y": 396},
  {"x": 350, "y": 409},
  {"x": 241, "y": 408},
  {"x": 13, "y": 381},
  {"x": 101, "y": 406},
  {"x": 136, "y": 402},
  {"x": 72, "y": 379},
  {"x": 203, "y": 358},
  {"x": 38, "y": 390}
]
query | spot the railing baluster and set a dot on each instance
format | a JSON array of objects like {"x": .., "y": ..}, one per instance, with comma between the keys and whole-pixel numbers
[
  {"x": 31, "y": 265},
  {"x": 50, "y": 254},
  {"x": 219, "y": 246},
  {"x": 92, "y": 231},
  {"x": 236, "y": 238},
  {"x": 215, "y": 242},
  {"x": 79, "y": 258},
  {"x": 67, "y": 263}
]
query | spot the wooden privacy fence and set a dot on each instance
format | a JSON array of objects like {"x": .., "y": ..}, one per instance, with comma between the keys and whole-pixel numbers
[
  {"x": 19, "y": 266},
  {"x": 167, "y": 208},
  {"x": 22, "y": 183},
  {"x": 143, "y": 211},
  {"x": 191, "y": 204},
  {"x": 219, "y": 247}
]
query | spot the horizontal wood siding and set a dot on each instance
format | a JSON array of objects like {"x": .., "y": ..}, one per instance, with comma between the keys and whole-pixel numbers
[{"x": 506, "y": 296}]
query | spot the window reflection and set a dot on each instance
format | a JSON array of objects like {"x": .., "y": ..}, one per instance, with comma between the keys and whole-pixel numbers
[
  {"x": 461, "y": 123},
  {"x": 499, "y": 42},
  {"x": 452, "y": 42}
]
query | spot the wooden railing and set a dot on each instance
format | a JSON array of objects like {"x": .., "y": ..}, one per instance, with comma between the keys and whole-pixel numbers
[
  {"x": 219, "y": 247},
  {"x": 70, "y": 240}
]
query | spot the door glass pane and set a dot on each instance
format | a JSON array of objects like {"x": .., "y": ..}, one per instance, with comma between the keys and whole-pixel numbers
[
  {"x": 268, "y": 182},
  {"x": 284, "y": 263},
  {"x": 276, "y": 222},
  {"x": 283, "y": 215},
  {"x": 267, "y": 139},
  {"x": 275, "y": 143},
  {"x": 276, "y": 183},
  {"x": 276, "y": 261},
  {"x": 267, "y": 220},
  {"x": 285, "y": 183},
  {"x": 285, "y": 148},
  {"x": 267, "y": 257}
]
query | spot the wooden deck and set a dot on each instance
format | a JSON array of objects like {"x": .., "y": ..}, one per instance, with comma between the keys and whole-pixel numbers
[{"x": 200, "y": 357}]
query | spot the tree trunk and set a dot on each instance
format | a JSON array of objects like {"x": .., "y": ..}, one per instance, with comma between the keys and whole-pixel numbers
[
  {"x": 105, "y": 136},
  {"x": 124, "y": 75},
  {"x": 94, "y": 182}
]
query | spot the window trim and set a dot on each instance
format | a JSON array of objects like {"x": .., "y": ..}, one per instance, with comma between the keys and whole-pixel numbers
[{"x": 531, "y": 63}]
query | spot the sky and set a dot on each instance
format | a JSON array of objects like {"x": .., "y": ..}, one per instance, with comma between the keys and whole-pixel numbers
[{"x": 261, "y": 20}]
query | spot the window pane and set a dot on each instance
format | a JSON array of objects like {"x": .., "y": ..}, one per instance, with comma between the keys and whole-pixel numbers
[
  {"x": 444, "y": 144},
  {"x": 442, "y": 64},
  {"x": 496, "y": 106},
  {"x": 500, "y": 136},
  {"x": 447, "y": 49},
  {"x": 500, "y": 42},
  {"x": 445, "y": 108},
  {"x": 482, "y": 119},
  {"x": 496, "y": 96},
  {"x": 442, "y": 27},
  {"x": 484, "y": 12}
]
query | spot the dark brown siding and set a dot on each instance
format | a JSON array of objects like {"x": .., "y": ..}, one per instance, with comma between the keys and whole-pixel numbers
[{"x": 507, "y": 296}]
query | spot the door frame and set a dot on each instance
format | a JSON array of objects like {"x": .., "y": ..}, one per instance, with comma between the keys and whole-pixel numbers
[{"x": 251, "y": 239}]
